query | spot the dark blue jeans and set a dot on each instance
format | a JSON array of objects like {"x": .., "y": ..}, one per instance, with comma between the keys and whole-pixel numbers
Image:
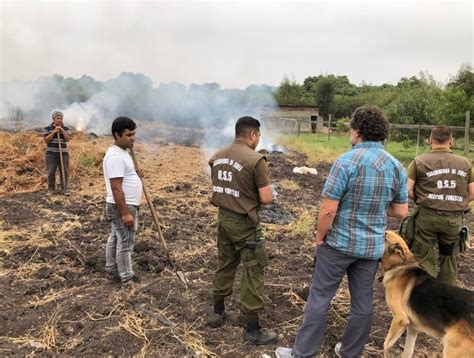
[
  {"x": 53, "y": 162},
  {"x": 331, "y": 266}
]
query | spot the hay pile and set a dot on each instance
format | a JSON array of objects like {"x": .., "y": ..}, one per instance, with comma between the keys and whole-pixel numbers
[{"x": 22, "y": 167}]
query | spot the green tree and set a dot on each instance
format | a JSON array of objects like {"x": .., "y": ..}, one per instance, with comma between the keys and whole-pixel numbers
[
  {"x": 324, "y": 95},
  {"x": 343, "y": 106},
  {"x": 455, "y": 103},
  {"x": 459, "y": 96},
  {"x": 464, "y": 80},
  {"x": 289, "y": 92},
  {"x": 418, "y": 101}
]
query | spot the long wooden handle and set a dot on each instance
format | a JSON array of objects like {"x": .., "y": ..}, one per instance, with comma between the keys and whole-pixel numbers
[
  {"x": 154, "y": 214},
  {"x": 61, "y": 161}
]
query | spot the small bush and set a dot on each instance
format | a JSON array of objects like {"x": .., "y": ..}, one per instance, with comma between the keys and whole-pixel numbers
[
  {"x": 406, "y": 144},
  {"x": 343, "y": 125}
]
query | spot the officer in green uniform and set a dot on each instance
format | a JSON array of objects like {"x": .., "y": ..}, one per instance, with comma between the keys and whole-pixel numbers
[
  {"x": 240, "y": 183},
  {"x": 442, "y": 184}
]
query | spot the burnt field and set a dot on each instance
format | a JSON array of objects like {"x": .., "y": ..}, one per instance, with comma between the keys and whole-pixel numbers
[{"x": 55, "y": 298}]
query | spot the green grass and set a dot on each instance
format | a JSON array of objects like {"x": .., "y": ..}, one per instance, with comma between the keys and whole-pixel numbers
[
  {"x": 88, "y": 161},
  {"x": 316, "y": 146},
  {"x": 319, "y": 149}
]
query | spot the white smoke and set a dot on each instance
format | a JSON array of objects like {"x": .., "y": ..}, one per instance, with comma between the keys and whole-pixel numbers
[
  {"x": 92, "y": 105},
  {"x": 91, "y": 116}
]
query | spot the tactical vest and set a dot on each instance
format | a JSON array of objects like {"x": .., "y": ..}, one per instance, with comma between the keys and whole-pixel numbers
[
  {"x": 233, "y": 179},
  {"x": 442, "y": 181}
]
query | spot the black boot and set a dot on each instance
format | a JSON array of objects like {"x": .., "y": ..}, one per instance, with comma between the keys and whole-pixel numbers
[{"x": 254, "y": 334}]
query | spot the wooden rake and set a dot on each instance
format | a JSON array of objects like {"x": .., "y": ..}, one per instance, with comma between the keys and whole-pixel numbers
[
  {"x": 61, "y": 160},
  {"x": 154, "y": 214}
]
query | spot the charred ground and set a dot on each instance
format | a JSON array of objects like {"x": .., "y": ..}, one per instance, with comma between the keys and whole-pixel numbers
[{"x": 55, "y": 298}]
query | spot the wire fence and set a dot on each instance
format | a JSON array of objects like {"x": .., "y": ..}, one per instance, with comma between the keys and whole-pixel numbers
[{"x": 407, "y": 134}]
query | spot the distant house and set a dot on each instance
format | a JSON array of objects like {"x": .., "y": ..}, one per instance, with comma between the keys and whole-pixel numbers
[{"x": 286, "y": 117}]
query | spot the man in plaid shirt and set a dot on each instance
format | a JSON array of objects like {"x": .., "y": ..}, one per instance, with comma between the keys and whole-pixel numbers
[{"x": 364, "y": 186}]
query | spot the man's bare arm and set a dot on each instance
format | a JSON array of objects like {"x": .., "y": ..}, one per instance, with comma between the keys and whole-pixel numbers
[
  {"x": 411, "y": 188},
  {"x": 327, "y": 214},
  {"x": 470, "y": 190},
  {"x": 265, "y": 195},
  {"x": 398, "y": 211}
]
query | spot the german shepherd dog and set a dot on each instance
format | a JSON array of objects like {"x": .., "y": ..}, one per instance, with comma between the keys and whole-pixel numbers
[{"x": 419, "y": 303}]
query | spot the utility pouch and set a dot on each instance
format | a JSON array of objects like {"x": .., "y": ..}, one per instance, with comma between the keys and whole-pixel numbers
[
  {"x": 449, "y": 250},
  {"x": 464, "y": 239},
  {"x": 261, "y": 254},
  {"x": 252, "y": 244},
  {"x": 407, "y": 228},
  {"x": 258, "y": 248}
]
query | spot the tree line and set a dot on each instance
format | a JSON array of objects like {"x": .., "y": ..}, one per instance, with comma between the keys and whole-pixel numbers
[{"x": 413, "y": 100}]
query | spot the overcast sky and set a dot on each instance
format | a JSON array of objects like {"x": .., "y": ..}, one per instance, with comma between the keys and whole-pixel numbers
[{"x": 234, "y": 44}]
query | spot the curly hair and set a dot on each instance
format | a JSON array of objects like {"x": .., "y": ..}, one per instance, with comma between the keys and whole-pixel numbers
[{"x": 371, "y": 123}]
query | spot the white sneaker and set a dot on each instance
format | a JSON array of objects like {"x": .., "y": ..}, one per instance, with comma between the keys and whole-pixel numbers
[
  {"x": 283, "y": 352},
  {"x": 337, "y": 349}
]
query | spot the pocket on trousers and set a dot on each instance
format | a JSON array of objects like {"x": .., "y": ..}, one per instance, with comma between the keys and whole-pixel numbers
[
  {"x": 134, "y": 211},
  {"x": 453, "y": 222},
  {"x": 260, "y": 253},
  {"x": 111, "y": 212}
]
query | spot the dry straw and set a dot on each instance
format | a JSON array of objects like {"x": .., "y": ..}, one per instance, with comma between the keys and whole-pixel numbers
[
  {"x": 50, "y": 333},
  {"x": 191, "y": 340},
  {"x": 134, "y": 324},
  {"x": 24, "y": 171}
]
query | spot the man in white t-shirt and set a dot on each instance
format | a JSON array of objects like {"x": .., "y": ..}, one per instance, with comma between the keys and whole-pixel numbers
[{"x": 124, "y": 191}]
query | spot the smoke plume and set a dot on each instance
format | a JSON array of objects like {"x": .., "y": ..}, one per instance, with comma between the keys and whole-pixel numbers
[{"x": 92, "y": 105}]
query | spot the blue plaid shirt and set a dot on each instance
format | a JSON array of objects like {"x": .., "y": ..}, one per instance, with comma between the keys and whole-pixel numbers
[{"x": 365, "y": 180}]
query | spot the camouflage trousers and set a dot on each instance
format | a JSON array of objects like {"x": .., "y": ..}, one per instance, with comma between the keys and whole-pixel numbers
[
  {"x": 441, "y": 229},
  {"x": 233, "y": 234}
]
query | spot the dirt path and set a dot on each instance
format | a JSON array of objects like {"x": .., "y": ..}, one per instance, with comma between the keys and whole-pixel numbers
[{"x": 55, "y": 298}]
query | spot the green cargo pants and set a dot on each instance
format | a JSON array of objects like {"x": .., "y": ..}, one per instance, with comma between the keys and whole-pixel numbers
[
  {"x": 234, "y": 230},
  {"x": 433, "y": 228}
]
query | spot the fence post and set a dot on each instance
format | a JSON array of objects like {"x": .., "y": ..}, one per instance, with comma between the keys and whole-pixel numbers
[
  {"x": 418, "y": 140},
  {"x": 298, "y": 125},
  {"x": 466, "y": 133},
  {"x": 385, "y": 142},
  {"x": 329, "y": 127}
]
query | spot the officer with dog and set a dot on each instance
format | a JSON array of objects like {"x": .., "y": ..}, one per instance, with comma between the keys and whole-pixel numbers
[
  {"x": 240, "y": 183},
  {"x": 442, "y": 184}
]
